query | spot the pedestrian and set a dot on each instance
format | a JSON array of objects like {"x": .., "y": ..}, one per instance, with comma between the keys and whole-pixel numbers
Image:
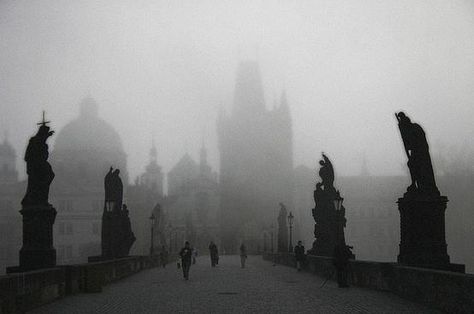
[
  {"x": 299, "y": 255},
  {"x": 186, "y": 255},
  {"x": 195, "y": 254},
  {"x": 163, "y": 256},
  {"x": 214, "y": 253},
  {"x": 342, "y": 254},
  {"x": 243, "y": 255}
]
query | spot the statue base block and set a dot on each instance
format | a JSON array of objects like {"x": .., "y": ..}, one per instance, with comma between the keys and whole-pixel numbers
[
  {"x": 422, "y": 233},
  {"x": 37, "y": 251}
]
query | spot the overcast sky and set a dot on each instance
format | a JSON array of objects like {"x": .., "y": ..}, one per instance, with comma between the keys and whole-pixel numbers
[{"x": 164, "y": 67}]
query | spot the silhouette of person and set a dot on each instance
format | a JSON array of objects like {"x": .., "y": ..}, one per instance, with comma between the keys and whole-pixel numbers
[
  {"x": 214, "y": 253},
  {"x": 186, "y": 254},
  {"x": 243, "y": 255}
]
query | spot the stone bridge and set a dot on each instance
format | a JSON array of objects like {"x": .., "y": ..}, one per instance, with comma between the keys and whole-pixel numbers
[{"x": 261, "y": 287}]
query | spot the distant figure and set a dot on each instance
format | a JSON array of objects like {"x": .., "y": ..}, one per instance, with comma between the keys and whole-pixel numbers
[
  {"x": 299, "y": 255},
  {"x": 419, "y": 160},
  {"x": 40, "y": 173},
  {"x": 186, "y": 256},
  {"x": 342, "y": 254},
  {"x": 214, "y": 253},
  {"x": 195, "y": 254},
  {"x": 163, "y": 256},
  {"x": 243, "y": 255}
]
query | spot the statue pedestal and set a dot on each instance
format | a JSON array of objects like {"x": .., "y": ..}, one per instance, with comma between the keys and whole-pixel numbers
[
  {"x": 422, "y": 233},
  {"x": 37, "y": 251}
]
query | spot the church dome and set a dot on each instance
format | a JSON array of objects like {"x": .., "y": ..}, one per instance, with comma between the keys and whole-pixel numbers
[{"x": 86, "y": 147}]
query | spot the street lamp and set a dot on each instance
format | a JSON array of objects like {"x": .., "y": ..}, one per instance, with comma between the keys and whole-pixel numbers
[
  {"x": 339, "y": 217},
  {"x": 271, "y": 235},
  {"x": 152, "y": 219},
  {"x": 170, "y": 228},
  {"x": 290, "y": 222}
]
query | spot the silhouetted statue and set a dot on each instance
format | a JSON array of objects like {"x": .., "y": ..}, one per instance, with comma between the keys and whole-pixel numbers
[
  {"x": 126, "y": 235},
  {"x": 329, "y": 221},
  {"x": 40, "y": 173},
  {"x": 419, "y": 160},
  {"x": 113, "y": 190},
  {"x": 38, "y": 215},
  {"x": 282, "y": 229},
  {"x": 422, "y": 208},
  {"x": 117, "y": 234},
  {"x": 326, "y": 172}
]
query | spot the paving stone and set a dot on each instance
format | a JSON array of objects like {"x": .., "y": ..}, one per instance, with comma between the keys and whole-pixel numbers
[{"x": 258, "y": 288}]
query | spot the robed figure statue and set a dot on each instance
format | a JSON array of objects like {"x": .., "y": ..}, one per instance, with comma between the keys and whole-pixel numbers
[
  {"x": 40, "y": 173},
  {"x": 419, "y": 160}
]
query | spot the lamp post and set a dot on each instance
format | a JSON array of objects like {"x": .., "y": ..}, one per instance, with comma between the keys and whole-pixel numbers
[
  {"x": 271, "y": 235},
  {"x": 170, "y": 228},
  {"x": 152, "y": 219},
  {"x": 290, "y": 222},
  {"x": 339, "y": 217}
]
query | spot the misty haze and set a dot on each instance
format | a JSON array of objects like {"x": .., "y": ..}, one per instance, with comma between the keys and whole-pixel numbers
[{"x": 241, "y": 127}]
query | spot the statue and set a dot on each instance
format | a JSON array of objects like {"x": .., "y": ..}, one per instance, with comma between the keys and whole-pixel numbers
[
  {"x": 419, "y": 161},
  {"x": 38, "y": 214},
  {"x": 113, "y": 190},
  {"x": 326, "y": 172},
  {"x": 422, "y": 208},
  {"x": 329, "y": 220},
  {"x": 117, "y": 234},
  {"x": 40, "y": 173}
]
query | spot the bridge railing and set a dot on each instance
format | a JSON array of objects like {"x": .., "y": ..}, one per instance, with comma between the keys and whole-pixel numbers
[
  {"x": 451, "y": 292},
  {"x": 21, "y": 292}
]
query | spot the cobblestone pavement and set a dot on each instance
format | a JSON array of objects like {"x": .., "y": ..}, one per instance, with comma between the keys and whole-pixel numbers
[{"x": 259, "y": 288}]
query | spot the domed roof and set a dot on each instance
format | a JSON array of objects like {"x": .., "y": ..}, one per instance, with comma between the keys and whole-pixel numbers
[
  {"x": 86, "y": 147},
  {"x": 88, "y": 132}
]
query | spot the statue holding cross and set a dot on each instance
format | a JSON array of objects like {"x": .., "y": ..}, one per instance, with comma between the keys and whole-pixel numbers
[{"x": 40, "y": 173}]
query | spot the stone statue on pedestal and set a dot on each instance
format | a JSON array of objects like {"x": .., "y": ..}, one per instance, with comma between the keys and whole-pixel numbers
[
  {"x": 282, "y": 229},
  {"x": 419, "y": 160},
  {"x": 38, "y": 215},
  {"x": 422, "y": 209},
  {"x": 329, "y": 222},
  {"x": 117, "y": 234}
]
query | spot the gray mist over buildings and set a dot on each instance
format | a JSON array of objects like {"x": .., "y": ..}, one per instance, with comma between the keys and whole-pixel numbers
[
  {"x": 163, "y": 72},
  {"x": 163, "y": 68}
]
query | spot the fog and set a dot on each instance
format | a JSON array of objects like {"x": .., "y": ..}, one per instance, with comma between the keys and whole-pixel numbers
[{"x": 163, "y": 68}]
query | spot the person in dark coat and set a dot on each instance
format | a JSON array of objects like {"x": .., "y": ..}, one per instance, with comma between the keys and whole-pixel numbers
[
  {"x": 342, "y": 254},
  {"x": 186, "y": 254},
  {"x": 214, "y": 254},
  {"x": 299, "y": 255},
  {"x": 243, "y": 255}
]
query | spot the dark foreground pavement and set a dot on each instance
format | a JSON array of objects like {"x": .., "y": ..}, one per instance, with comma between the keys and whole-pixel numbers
[{"x": 259, "y": 288}]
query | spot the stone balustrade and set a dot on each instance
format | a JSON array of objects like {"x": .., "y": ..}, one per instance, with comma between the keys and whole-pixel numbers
[
  {"x": 450, "y": 292},
  {"x": 20, "y": 292}
]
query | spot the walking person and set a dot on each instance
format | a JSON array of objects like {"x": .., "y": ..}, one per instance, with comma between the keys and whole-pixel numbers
[
  {"x": 186, "y": 256},
  {"x": 163, "y": 256},
  {"x": 214, "y": 253},
  {"x": 342, "y": 254},
  {"x": 243, "y": 255},
  {"x": 299, "y": 255}
]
